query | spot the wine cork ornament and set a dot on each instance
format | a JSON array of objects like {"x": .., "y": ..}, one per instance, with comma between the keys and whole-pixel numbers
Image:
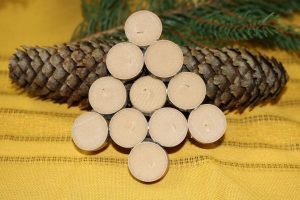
[
  {"x": 128, "y": 127},
  {"x": 207, "y": 123},
  {"x": 125, "y": 61},
  {"x": 148, "y": 162},
  {"x": 89, "y": 131},
  {"x": 143, "y": 28},
  {"x": 164, "y": 58},
  {"x": 107, "y": 95},
  {"x": 148, "y": 94},
  {"x": 186, "y": 90},
  {"x": 168, "y": 127}
]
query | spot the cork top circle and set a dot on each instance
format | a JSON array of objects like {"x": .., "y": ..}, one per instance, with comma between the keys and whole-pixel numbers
[
  {"x": 148, "y": 162},
  {"x": 164, "y": 58},
  {"x": 148, "y": 94},
  {"x": 89, "y": 131},
  {"x": 107, "y": 95},
  {"x": 128, "y": 127},
  {"x": 186, "y": 90},
  {"x": 168, "y": 127},
  {"x": 124, "y": 60},
  {"x": 207, "y": 123},
  {"x": 143, "y": 28}
]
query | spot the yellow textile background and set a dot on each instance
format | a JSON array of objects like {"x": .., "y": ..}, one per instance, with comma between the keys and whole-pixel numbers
[{"x": 258, "y": 159}]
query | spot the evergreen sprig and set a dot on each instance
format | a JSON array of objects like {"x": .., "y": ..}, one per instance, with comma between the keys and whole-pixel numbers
[
  {"x": 101, "y": 15},
  {"x": 213, "y": 23}
]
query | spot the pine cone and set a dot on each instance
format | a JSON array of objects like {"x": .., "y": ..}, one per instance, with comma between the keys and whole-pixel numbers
[{"x": 235, "y": 79}]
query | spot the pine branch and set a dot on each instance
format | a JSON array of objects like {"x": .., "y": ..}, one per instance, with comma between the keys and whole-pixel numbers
[
  {"x": 285, "y": 38},
  {"x": 95, "y": 13},
  {"x": 101, "y": 15},
  {"x": 211, "y": 23}
]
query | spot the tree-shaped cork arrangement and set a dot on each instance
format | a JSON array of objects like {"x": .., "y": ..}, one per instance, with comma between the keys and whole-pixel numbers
[{"x": 147, "y": 113}]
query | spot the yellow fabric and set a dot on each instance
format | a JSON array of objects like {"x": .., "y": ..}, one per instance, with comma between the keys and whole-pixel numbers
[{"x": 258, "y": 159}]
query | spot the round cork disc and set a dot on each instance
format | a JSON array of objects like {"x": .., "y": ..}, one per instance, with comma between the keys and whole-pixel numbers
[
  {"x": 128, "y": 127},
  {"x": 186, "y": 90},
  {"x": 207, "y": 123},
  {"x": 124, "y": 60},
  {"x": 107, "y": 95},
  {"x": 148, "y": 162},
  {"x": 164, "y": 58},
  {"x": 168, "y": 127},
  {"x": 148, "y": 94},
  {"x": 143, "y": 28},
  {"x": 89, "y": 131}
]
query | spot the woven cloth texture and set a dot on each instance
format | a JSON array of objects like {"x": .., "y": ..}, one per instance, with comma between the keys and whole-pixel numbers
[{"x": 258, "y": 158}]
